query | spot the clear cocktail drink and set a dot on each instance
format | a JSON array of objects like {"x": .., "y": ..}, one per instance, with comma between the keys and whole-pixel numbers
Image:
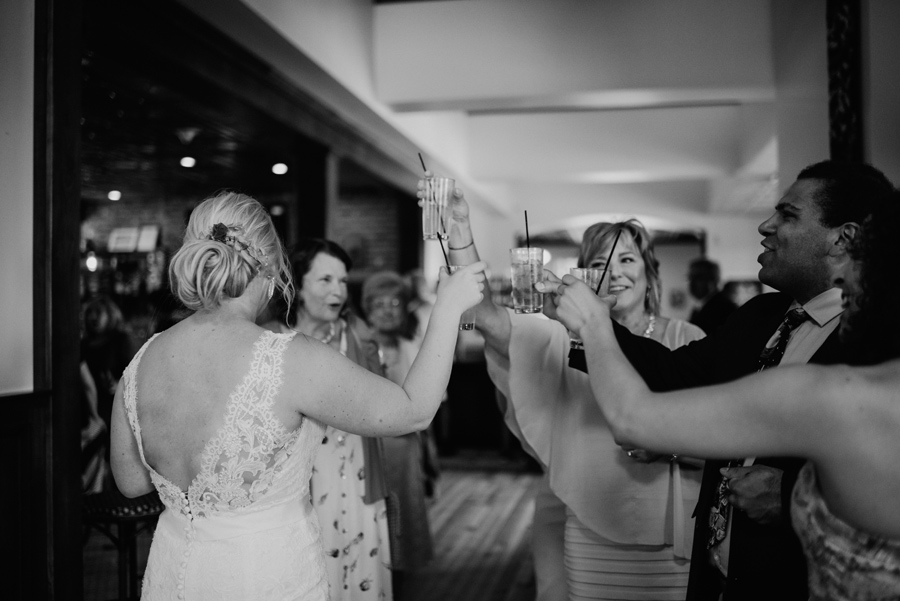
[{"x": 526, "y": 269}]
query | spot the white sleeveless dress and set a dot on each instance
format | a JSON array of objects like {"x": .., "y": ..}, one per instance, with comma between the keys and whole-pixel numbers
[{"x": 245, "y": 528}]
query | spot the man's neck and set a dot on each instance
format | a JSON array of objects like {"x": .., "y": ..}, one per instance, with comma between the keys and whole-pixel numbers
[{"x": 808, "y": 295}]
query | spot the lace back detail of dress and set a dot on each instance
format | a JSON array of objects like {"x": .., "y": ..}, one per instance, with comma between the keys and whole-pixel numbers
[{"x": 244, "y": 463}]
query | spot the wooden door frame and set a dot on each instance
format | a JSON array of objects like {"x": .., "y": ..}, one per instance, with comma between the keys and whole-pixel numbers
[{"x": 57, "y": 199}]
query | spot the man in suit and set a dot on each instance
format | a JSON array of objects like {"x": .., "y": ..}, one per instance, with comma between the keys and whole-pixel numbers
[
  {"x": 805, "y": 241},
  {"x": 714, "y": 305}
]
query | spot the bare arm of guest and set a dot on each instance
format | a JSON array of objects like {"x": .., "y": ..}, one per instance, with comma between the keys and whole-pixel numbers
[
  {"x": 843, "y": 419},
  {"x": 491, "y": 320}
]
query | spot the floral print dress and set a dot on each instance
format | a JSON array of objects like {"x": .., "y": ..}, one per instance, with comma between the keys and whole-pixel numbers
[{"x": 354, "y": 534}]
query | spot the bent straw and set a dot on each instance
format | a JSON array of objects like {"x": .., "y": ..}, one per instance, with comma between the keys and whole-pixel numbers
[
  {"x": 527, "y": 238},
  {"x": 608, "y": 261},
  {"x": 421, "y": 160}
]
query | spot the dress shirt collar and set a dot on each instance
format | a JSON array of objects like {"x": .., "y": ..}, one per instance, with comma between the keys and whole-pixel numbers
[{"x": 822, "y": 308}]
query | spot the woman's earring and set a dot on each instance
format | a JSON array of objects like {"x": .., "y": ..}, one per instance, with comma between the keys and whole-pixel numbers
[{"x": 271, "y": 287}]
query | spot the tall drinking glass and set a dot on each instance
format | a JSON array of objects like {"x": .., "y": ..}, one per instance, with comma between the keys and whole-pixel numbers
[
  {"x": 526, "y": 269},
  {"x": 467, "y": 319},
  {"x": 434, "y": 207},
  {"x": 590, "y": 276}
]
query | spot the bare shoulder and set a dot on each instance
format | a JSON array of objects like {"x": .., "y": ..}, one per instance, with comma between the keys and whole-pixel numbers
[{"x": 854, "y": 394}]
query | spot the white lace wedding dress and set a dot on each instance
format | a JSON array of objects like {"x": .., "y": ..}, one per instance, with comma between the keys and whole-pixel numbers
[{"x": 245, "y": 528}]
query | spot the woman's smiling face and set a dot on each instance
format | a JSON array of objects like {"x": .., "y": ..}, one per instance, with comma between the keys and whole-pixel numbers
[
  {"x": 627, "y": 275},
  {"x": 324, "y": 289}
]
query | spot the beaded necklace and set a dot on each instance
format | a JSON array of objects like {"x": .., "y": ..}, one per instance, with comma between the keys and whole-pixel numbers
[
  {"x": 331, "y": 332},
  {"x": 650, "y": 326}
]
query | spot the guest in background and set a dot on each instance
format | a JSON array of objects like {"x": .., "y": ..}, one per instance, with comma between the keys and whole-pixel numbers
[
  {"x": 347, "y": 489},
  {"x": 385, "y": 301},
  {"x": 106, "y": 349},
  {"x": 94, "y": 435},
  {"x": 714, "y": 305},
  {"x": 628, "y": 525}
]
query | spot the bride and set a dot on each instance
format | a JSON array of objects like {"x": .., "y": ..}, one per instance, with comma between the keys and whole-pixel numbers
[{"x": 224, "y": 418}]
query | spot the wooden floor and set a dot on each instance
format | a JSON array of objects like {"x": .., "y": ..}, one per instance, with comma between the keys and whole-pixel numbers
[{"x": 481, "y": 522}]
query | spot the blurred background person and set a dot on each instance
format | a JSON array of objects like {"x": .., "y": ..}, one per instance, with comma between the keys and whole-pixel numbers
[
  {"x": 94, "y": 435},
  {"x": 713, "y": 304},
  {"x": 106, "y": 348},
  {"x": 386, "y": 299},
  {"x": 347, "y": 487}
]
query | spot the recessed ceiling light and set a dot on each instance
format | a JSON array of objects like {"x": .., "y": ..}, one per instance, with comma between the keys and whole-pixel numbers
[
  {"x": 188, "y": 162},
  {"x": 279, "y": 169},
  {"x": 114, "y": 195}
]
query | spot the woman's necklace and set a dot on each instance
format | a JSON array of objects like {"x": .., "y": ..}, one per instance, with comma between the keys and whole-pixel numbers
[
  {"x": 650, "y": 326},
  {"x": 331, "y": 332}
]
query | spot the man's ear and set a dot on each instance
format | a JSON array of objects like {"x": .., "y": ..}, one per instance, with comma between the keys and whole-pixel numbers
[{"x": 846, "y": 233}]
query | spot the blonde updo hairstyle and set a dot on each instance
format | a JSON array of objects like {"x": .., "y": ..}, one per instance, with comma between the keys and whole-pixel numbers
[{"x": 216, "y": 262}]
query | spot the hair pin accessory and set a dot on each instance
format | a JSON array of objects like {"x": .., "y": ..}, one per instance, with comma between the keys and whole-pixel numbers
[{"x": 223, "y": 233}]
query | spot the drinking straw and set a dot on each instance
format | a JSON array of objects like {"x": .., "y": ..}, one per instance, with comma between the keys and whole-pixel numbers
[
  {"x": 444, "y": 252},
  {"x": 527, "y": 238},
  {"x": 608, "y": 261},
  {"x": 446, "y": 260}
]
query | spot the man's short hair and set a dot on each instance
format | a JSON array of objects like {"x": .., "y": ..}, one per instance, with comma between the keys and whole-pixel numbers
[{"x": 848, "y": 191}]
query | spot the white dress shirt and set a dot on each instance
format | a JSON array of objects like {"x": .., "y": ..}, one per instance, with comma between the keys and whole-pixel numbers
[{"x": 824, "y": 316}]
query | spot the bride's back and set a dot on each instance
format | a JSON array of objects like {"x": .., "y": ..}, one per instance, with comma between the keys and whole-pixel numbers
[
  {"x": 230, "y": 255},
  {"x": 184, "y": 382}
]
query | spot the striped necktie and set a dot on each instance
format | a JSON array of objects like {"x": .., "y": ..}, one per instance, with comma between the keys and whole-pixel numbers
[{"x": 769, "y": 357}]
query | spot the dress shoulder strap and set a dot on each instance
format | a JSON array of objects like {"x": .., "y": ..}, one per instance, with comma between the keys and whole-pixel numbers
[{"x": 129, "y": 396}]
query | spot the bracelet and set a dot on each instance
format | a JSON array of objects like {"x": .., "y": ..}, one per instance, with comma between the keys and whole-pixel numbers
[{"x": 462, "y": 247}]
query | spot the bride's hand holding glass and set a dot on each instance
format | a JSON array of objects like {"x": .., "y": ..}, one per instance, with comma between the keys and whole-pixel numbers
[
  {"x": 462, "y": 290},
  {"x": 457, "y": 218}
]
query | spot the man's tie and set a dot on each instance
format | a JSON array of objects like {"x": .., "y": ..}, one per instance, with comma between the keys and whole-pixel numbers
[{"x": 769, "y": 357}]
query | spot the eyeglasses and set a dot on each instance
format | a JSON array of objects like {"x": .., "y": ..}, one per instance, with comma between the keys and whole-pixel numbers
[{"x": 384, "y": 303}]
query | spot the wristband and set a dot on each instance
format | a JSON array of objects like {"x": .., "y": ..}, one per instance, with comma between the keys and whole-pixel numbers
[{"x": 462, "y": 247}]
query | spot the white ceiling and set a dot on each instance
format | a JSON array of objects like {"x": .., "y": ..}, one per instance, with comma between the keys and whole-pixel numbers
[
  {"x": 583, "y": 107},
  {"x": 690, "y": 114}
]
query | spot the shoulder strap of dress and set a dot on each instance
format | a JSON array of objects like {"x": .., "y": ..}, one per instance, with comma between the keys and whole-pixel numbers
[
  {"x": 274, "y": 346},
  {"x": 129, "y": 396}
]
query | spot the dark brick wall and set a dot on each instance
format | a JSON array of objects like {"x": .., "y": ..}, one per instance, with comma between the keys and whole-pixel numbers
[{"x": 366, "y": 225}]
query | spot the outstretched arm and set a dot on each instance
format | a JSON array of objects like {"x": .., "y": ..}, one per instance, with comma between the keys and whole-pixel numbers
[
  {"x": 765, "y": 414},
  {"x": 490, "y": 319},
  {"x": 340, "y": 393}
]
